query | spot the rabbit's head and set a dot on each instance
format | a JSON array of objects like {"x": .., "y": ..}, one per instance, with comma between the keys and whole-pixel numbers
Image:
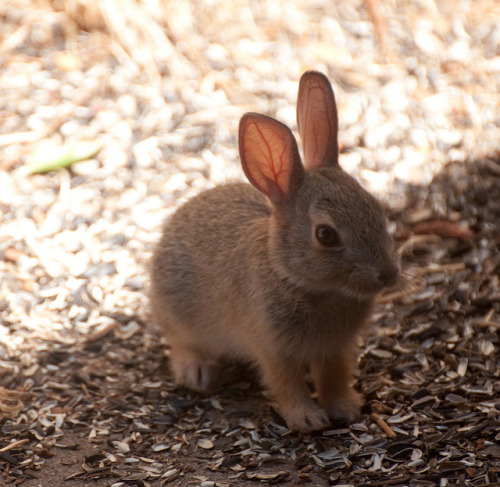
[{"x": 327, "y": 234}]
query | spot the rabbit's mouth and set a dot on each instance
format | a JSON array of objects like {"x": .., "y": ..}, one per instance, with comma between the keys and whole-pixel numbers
[
  {"x": 349, "y": 287},
  {"x": 361, "y": 290}
]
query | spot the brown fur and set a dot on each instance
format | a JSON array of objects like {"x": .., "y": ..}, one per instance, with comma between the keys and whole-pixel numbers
[{"x": 239, "y": 276}]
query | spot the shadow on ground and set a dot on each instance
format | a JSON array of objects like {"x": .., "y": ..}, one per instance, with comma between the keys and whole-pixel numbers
[{"x": 102, "y": 411}]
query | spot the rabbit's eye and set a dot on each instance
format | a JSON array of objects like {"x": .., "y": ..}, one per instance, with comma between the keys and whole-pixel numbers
[{"x": 327, "y": 236}]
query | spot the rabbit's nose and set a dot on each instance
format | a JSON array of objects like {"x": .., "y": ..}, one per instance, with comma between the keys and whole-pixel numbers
[{"x": 389, "y": 275}]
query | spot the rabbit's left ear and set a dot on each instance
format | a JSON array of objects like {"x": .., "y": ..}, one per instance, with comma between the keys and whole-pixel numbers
[
  {"x": 317, "y": 121},
  {"x": 270, "y": 157}
]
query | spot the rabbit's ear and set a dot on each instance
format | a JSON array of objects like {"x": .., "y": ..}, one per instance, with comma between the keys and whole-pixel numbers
[
  {"x": 317, "y": 120},
  {"x": 270, "y": 157}
]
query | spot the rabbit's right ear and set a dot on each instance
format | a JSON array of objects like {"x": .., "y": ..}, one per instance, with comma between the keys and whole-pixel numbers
[
  {"x": 317, "y": 120},
  {"x": 270, "y": 157}
]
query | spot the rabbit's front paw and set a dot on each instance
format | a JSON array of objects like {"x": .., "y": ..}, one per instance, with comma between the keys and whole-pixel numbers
[
  {"x": 306, "y": 417},
  {"x": 192, "y": 371},
  {"x": 346, "y": 407}
]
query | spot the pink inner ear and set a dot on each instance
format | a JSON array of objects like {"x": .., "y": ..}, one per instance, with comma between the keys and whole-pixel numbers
[
  {"x": 269, "y": 155},
  {"x": 317, "y": 121}
]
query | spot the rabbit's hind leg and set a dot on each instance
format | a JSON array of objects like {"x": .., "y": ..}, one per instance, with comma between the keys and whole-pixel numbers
[{"x": 192, "y": 370}]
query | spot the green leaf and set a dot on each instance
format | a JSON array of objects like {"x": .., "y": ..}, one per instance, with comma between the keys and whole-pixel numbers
[{"x": 47, "y": 159}]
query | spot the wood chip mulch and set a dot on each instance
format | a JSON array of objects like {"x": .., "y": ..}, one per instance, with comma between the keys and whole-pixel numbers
[
  {"x": 429, "y": 372},
  {"x": 85, "y": 393}
]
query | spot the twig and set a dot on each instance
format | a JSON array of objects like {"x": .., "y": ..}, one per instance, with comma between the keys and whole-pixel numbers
[
  {"x": 383, "y": 425},
  {"x": 20, "y": 137},
  {"x": 380, "y": 26},
  {"x": 487, "y": 320},
  {"x": 17, "y": 443},
  {"x": 430, "y": 269}
]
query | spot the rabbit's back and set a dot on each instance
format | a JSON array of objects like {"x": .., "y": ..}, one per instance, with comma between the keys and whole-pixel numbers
[
  {"x": 198, "y": 271},
  {"x": 210, "y": 223}
]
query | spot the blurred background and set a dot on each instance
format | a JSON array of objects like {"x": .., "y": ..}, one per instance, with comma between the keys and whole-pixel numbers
[
  {"x": 114, "y": 112},
  {"x": 162, "y": 84}
]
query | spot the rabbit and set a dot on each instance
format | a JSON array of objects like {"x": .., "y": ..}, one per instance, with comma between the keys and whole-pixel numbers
[{"x": 282, "y": 273}]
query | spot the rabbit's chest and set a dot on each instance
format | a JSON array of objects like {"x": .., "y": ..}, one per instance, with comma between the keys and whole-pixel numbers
[{"x": 315, "y": 321}]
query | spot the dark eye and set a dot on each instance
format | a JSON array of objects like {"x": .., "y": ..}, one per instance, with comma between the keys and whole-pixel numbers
[{"x": 327, "y": 236}]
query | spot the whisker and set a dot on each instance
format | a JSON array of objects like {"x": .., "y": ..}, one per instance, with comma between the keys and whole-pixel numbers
[
  {"x": 407, "y": 284},
  {"x": 416, "y": 242}
]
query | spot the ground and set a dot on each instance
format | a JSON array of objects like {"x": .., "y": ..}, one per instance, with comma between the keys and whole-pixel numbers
[{"x": 153, "y": 93}]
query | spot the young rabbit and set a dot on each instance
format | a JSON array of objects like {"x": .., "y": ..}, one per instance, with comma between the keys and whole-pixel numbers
[{"x": 282, "y": 274}]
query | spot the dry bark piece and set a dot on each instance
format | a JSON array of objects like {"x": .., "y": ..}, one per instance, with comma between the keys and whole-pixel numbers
[
  {"x": 443, "y": 228},
  {"x": 11, "y": 402}
]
